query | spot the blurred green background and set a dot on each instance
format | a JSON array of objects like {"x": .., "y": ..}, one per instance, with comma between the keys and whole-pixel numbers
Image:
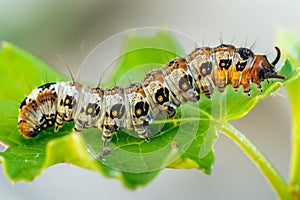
[{"x": 62, "y": 33}]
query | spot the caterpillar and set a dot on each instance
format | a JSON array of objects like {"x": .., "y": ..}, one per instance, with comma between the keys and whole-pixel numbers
[{"x": 161, "y": 91}]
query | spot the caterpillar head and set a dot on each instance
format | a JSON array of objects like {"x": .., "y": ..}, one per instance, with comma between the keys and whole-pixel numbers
[{"x": 266, "y": 70}]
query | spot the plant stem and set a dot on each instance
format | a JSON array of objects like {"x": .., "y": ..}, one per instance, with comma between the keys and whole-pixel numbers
[
  {"x": 294, "y": 97},
  {"x": 259, "y": 159}
]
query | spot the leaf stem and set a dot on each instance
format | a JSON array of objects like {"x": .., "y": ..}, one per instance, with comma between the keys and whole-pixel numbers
[{"x": 259, "y": 159}]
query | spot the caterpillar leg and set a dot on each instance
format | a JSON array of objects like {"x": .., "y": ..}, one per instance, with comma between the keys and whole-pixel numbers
[
  {"x": 141, "y": 131},
  {"x": 58, "y": 122},
  {"x": 258, "y": 85},
  {"x": 104, "y": 152},
  {"x": 107, "y": 132},
  {"x": 106, "y": 138},
  {"x": 171, "y": 111}
]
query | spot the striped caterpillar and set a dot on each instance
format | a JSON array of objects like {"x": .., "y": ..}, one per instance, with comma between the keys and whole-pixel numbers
[{"x": 137, "y": 105}]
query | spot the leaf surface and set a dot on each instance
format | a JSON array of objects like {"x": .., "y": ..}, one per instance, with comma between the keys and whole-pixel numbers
[{"x": 185, "y": 141}]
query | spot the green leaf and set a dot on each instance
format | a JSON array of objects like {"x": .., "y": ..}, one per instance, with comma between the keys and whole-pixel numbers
[{"x": 185, "y": 141}]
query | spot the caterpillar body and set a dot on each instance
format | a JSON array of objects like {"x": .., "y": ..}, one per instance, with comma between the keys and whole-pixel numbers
[{"x": 137, "y": 105}]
